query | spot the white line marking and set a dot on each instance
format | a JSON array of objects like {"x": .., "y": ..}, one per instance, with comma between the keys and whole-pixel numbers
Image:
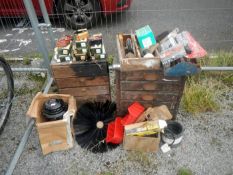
[
  {"x": 13, "y": 50},
  {"x": 9, "y": 34},
  {"x": 20, "y": 30},
  {"x": 3, "y": 40},
  {"x": 22, "y": 41},
  {"x": 58, "y": 30},
  {"x": 4, "y": 51}
]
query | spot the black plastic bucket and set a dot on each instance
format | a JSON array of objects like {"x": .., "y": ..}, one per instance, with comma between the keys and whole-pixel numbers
[{"x": 173, "y": 133}]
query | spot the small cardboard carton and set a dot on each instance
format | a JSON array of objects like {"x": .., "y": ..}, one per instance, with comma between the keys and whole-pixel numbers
[
  {"x": 142, "y": 144},
  {"x": 156, "y": 113},
  {"x": 53, "y": 135},
  {"x": 81, "y": 34},
  {"x": 149, "y": 143},
  {"x": 145, "y": 37}
]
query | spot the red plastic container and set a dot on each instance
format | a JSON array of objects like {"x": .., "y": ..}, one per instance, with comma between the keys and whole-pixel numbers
[
  {"x": 135, "y": 110},
  {"x": 125, "y": 119},
  {"x": 115, "y": 132}
]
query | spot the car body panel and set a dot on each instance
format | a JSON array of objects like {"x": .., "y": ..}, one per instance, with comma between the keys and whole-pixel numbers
[
  {"x": 15, "y": 8},
  {"x": 110, "y": 6}
]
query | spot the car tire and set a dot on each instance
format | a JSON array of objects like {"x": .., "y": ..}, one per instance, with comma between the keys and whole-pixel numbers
[{"x": 81, "y": 13}]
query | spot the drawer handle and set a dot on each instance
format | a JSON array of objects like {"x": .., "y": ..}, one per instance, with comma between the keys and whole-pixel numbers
[
  {"x": 147, "y": 97},
  {"x": 82, "y": 80},
  {"x": 149, "y": 87},
  {"x": 85, "y": 79},
  {"x": 151, "y": 77},
  {"x": 83, "y": 90}
]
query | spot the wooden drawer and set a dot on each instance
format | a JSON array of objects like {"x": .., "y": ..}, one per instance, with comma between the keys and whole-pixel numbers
[
  {"x": 148, "y": 96},
  {"x": 84, "y": 69},
  {"x": 147, "y": 75},
  {"x": 93, "y": 98},
  {"x": 86, "y": 91},
  {"x": 160, "y": 86},
  {"x": 82, "y": 81},
  {"x": 140, "y": 75}
]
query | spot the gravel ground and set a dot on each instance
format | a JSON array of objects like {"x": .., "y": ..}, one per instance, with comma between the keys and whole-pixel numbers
[{"x": 206, "y": 148}]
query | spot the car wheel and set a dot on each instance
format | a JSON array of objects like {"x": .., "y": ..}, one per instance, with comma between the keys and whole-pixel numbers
[{"x": 81, "y": 13}]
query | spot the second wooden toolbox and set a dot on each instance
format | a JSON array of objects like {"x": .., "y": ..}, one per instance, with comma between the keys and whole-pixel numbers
[
  {"x": 84, "y": 80},
  {"x": 142, "y": 79}
]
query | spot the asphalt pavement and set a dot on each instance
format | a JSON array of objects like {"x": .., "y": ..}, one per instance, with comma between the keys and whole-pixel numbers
[{"x": 210, "y": 22}]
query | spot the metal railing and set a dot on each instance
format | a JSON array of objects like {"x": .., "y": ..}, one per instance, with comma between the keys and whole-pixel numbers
[
  {"x": 111, "y": 25},
  {"x": 26, "y": 135}
]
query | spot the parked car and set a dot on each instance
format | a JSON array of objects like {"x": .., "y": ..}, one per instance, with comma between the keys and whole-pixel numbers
[{"x": 76, "y": 13}]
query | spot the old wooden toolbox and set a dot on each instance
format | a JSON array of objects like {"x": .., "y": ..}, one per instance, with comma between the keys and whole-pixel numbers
[
  {"x": 148, "y": 86},
  {"x": 84, "y": 80},
  {"x": 137, "y": 62}
]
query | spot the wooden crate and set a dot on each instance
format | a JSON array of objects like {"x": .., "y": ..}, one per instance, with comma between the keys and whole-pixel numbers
[
  {"x": 148, "y": 87},
  {"x": 142, "y": 79},
  {"x": 84, "y": 80},
  {"x": 137, "y": 63}
]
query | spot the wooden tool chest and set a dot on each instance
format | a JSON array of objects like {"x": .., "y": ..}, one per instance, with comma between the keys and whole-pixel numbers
[
  {"x": 148, "y": 87},
  {"x": 86, "y": 81},
  {"x": 142, "y": 79}
]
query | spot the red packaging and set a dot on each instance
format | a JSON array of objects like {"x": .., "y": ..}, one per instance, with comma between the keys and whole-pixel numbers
[{"x": 115, "y": 132}]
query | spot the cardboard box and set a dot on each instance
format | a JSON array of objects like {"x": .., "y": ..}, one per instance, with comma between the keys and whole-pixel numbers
[
  {"x": 96, "y": 50},
  {"x": 63, "y": 58},
  {"x": 139, "y": 143},
  {"x": 81, "y": 44},
  {"x": 142, "y": 144},
  {"x": 159, "y": 112},
  {"x": 81, "y": 34},
  {"x": 80, "y": 51},
  {"x": 145, "y": 37},
  {"x": 53, "y": 135}
]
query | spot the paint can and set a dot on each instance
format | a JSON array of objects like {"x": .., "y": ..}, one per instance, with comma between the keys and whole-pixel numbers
[{"x": 173, "y": 133}]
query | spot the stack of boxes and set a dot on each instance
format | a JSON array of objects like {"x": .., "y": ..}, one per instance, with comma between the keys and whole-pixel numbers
[
  {"x": 63, "y": 49},
  {"x": 86, "y": 75},
  {"x": 97, "y": 50},
  {"x": 80, "y": 45}
]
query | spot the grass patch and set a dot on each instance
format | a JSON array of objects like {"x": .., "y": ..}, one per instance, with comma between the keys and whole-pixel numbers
[
  {"x": 219, "y": 59},
  {"x": 33, "y": 55},
  {"x": 26, "y": 61},
  {"x": 184, "y": 171},
  {"x": 3, "y": 95},
  {"x": 110, "y": 59},
  {"x": 199, "y": 97},
  {"x": 227, "y": 79},
  {"x": 203, "y": 92},
  {"x": 35, "y": 78},
  {"x": 24, "y": 90}
]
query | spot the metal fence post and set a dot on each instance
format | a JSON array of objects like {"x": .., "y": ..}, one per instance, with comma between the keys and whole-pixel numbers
[
  {"x": 25, "y": 137},
  {"x": 39, "y": 37},
  {"x": 47, "y": 21}
]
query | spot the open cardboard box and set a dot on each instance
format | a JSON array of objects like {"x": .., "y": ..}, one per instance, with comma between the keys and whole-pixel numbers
[
  {"x": 53, "y": 135},
  {"x": 140, "y": 143},
  {"x": 137, "y": 63}
]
